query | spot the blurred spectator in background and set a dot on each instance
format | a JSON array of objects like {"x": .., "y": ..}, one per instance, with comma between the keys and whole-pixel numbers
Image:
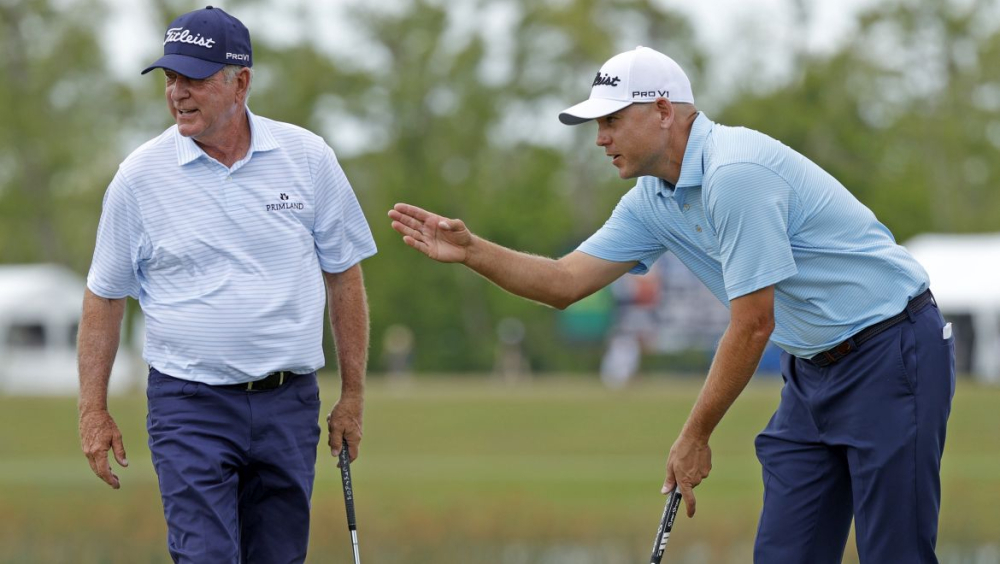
[
  {"x": 637, "y": 304},
  {"x": 397, "y": 351},
  {"x": 510, "y": 362}
]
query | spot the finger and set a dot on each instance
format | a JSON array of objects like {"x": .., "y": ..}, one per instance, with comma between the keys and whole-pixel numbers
[
  {"x": 101, "y": 467},
  {"x": 412, "y": 211},
  {"x": 406, "y": 230},
  {"x": 669, "y": 482},
  {"x": 451, "y": 224},
  {"x": 119, "y": 449},
  {"x": 687, "y": 493},
  {"x": 354, "y": 447},
  {"x": 418, "y": 245},
  {"x": 336, "y": 438},
  {"x": 407, "y": 220}
]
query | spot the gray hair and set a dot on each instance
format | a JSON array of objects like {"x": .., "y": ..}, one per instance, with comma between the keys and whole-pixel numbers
[{"x": 229, "y": 73}]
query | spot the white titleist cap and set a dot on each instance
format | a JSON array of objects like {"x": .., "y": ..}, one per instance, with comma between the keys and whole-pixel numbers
[{"x": 641, "y": 75}]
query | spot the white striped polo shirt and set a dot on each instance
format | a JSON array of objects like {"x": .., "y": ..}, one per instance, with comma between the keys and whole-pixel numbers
[
  {"x": 226, "y": 262},
  {"x": 749, "y": 212}
]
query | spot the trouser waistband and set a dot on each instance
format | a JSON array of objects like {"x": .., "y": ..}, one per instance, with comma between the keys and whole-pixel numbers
[{"x": 838, "y": 352}]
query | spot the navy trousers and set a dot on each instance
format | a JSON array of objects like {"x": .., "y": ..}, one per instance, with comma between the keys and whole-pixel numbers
[
  {"x": 860, "y": 438},
  {"x": 235, "y": 468}
]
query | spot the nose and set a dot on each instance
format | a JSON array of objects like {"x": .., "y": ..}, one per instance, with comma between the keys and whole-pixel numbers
[
  {"x": 179, "y": 88},
  {"x": 603, "y": 139}
]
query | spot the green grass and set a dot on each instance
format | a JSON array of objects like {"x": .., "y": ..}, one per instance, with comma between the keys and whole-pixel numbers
[{"x": 471, "y": 470}]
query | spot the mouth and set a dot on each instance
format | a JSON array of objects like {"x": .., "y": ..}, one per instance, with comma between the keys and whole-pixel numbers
[
  {"x": 615, "y": 159},
  {"x": 185, "y": 113}
]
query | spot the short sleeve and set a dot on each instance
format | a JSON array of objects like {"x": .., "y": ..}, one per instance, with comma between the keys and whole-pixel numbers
[
  {"x": 749, "y": 205},
  {"x": 113, "y": 270},
  {"x": 341, "y": 231},
  {"x": 624, "y": 237}
]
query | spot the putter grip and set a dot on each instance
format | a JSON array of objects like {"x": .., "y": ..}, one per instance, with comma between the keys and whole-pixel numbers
[
  {"x": 345, "y": 475},
  {"x": 666, "y": 524}
]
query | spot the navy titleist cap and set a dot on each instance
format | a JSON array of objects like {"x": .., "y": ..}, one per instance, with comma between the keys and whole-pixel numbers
[{"x": 199, "y": 43}]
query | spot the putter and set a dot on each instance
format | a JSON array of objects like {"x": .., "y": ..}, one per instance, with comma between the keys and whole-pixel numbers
[
  {"x": 345, "y": 476},
  {"x": 666, "y": 523}
]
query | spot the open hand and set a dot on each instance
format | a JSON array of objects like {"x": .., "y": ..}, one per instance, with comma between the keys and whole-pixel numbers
[{"x": 444, "y": 240}]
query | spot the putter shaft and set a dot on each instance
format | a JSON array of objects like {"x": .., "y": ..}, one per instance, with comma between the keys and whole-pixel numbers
[{"x": 345, "y": 476}]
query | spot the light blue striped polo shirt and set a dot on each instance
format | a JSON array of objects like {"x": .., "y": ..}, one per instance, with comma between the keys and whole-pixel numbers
[
  {"x": 749, "y": 212},
  {"x": 226, "y": 262}
]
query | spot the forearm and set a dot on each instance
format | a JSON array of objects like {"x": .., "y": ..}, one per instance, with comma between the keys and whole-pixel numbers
[
  {"x": 735, "y": 362},
  {"x": 348, "y": 307},
  {"x": 533, "y": 277},
  {"x": 97, "y": 345}
]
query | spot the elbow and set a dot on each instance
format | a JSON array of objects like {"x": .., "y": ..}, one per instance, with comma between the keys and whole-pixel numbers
[
  {"x": 753, "y": 329},
  {"x": 567, "y": 296},
  {"x": 562, "y": 303},
  {"x": 565, "y": 288},
  {"x": 760, "y": 329}
]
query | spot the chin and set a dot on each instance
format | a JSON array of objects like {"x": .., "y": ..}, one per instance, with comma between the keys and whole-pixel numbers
[{"x": 187, "y": 131}]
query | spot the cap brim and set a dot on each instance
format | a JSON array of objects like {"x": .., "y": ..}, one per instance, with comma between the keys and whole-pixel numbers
[
  {"x": 591, "y": 109},
  {"x": 190, "y": 67}
]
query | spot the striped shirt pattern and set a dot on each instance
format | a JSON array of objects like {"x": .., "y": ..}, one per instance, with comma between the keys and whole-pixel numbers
[
  {"x": 226, "y": 262},
  {"x": 749, "y": 212}
]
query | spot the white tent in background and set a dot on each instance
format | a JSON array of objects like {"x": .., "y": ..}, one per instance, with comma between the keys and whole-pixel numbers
[
  {"x": 965, "y": 279},
  {"x": 40, "y": 306}
]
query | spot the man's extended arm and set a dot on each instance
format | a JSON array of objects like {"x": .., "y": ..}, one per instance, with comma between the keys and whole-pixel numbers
[
  {"x": 348, "y": 305},
  {"x": 739, "y": 352},
  {"x": 97, "y": 344},
  {"x": 558, "y": 283}
]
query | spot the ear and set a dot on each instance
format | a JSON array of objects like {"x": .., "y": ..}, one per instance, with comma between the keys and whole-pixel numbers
[
  {"x": 242, "y": 85},
  {"x": 666, "y": 111}
]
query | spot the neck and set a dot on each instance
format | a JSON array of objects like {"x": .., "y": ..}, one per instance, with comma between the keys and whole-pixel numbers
[
  {"x": 232, "y": 145},
  {"x": 676, "y": 147}
]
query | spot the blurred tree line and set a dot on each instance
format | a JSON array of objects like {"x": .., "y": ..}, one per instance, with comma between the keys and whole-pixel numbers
[{"x": 451, "y": 106}]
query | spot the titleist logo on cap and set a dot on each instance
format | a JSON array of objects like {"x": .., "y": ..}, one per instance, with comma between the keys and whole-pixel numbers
[
  {"x": 181, "y": 35},
  {"x": 605, "y": 80}
]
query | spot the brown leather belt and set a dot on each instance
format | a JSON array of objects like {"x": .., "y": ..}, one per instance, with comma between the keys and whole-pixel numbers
[{"x": 832, "y": 355}]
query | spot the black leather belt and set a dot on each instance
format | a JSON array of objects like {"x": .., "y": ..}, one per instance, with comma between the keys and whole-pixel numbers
[
  {"x": 838, "y": 352},
  {"x": 269, "y": 382}
]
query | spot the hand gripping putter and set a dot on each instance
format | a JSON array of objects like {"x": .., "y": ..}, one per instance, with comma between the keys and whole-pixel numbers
[
  {"x": 345, "y": 476},
  {"x": 666, "y": 524}
]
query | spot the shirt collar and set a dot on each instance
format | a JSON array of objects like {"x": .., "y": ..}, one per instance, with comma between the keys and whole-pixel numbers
[
  {"x": 692, "y": 167},
  {"x": 261, "y": 139}
]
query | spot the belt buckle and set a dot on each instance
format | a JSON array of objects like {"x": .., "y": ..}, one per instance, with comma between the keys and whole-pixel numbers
[{"x": 838, "y": 352}]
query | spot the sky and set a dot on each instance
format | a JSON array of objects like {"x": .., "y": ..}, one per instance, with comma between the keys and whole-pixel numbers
[
  {"x": 720, "y": 25},
  {"x": 737, "y": 35},
  {"x": 723, "y": 26}
]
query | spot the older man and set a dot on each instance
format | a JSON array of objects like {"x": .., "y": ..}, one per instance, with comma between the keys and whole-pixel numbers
[
  {"x": 234, "y": 232},
  {"x": 868, "y": 361}
]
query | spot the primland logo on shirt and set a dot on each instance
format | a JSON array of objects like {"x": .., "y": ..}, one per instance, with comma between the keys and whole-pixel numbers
[
  {"x": 285, "y": 205},
  {"x": 181, "y": 35}
]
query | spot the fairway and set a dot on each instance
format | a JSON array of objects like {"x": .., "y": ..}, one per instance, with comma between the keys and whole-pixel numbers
[{"x": 559, "y": 470}]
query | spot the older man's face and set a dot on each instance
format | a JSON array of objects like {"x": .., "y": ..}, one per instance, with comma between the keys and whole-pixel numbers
[{"x": 203, "y": 109}]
